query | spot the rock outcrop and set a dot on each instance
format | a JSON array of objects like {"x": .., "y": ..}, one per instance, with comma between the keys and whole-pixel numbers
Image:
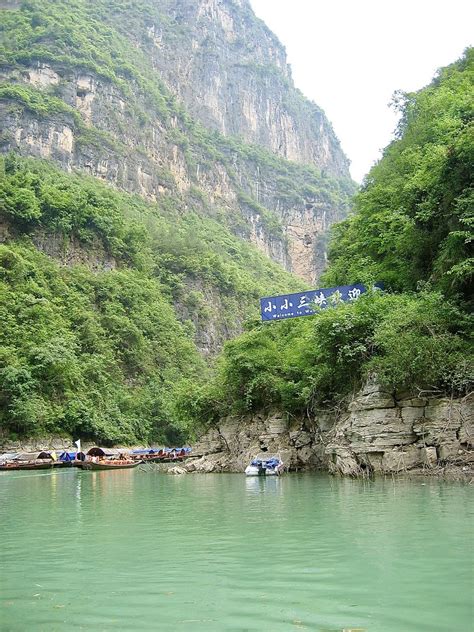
[
  {"x": 380, "y": 432},
  {"x": 232, "y": 74}
]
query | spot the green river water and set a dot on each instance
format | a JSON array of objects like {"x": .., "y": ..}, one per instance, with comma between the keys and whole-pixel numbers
[{"x": 134, "y": 550}]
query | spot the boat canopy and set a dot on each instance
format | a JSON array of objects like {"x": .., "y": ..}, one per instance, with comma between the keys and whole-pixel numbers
[
  {"x": 66, "y": 457},
  {"x": 184, "y": 450},
  {"x": 32, "y": 456},
  {"x": 96, "y": 451},
  {"x": 44, "y": 455},
  {"x": 9, "y": 456},
  {"x": 271, "y": 462}
]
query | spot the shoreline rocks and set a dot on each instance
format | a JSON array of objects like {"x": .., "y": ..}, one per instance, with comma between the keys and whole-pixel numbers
[{"x": 379, "y": 433}]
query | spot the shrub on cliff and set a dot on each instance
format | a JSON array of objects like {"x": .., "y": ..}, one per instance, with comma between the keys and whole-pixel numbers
[
  {"x": 95, "y": 355},
  {"x": 413, "y": 217},
  {"x": 417, "y": 341},
  {"x": 412, "y": 229},
  {"x": 97, "y": 350}
]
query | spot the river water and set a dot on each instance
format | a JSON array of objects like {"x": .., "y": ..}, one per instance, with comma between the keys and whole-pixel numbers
[{"x": 133, "y": 550}]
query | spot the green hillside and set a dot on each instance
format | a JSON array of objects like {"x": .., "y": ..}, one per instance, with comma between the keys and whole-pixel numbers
[
  {"x": 109, "y": 42},
  {"x": 414, "y": 216},
  {"x": 94, "y": 347}
]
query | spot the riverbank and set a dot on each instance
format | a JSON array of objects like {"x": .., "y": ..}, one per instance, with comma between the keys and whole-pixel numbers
[
  {"x": 378, "y": 432},
  {"x": 460, "y": 470}
]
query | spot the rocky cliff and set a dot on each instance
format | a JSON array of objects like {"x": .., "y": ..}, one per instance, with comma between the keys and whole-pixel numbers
[
  {"x": 233, "y": 76},
  {"x": 192, "y": 100},
  {"x": 380, "y": 432}
]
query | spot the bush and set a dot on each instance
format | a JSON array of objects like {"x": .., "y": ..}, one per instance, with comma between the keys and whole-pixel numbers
[{"x": 417, "y": 341}]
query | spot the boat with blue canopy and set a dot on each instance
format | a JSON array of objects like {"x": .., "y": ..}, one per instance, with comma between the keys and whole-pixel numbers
[{"x": 265, "y": 466}]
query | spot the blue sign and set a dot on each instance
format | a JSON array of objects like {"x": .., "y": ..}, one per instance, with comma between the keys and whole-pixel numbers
[{"x": 309, "y": 302}]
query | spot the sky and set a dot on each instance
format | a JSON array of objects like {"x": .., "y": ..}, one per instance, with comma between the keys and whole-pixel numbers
[{"x": 349, "y": 56}]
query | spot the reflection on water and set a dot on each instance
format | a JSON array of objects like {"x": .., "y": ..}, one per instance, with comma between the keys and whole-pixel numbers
[
  {"x": 127, "y": 550},
  {"x": 263, "y": 484}
]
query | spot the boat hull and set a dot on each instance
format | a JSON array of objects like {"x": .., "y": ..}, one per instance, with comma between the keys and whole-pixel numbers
[
  {"x": 85, "y": 465},
  {"x": 14, "y": 467},
  {"x": 252, "y": 470}
]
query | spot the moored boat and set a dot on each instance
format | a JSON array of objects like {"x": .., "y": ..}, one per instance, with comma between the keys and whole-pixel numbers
[
  {"x": 266, "y": 466},
  {"x": 36, "y": 460},
  {"x": 108, "y": 464},
  {"x": 160, "y": 455},
  {"x": 9, "y": 466}
]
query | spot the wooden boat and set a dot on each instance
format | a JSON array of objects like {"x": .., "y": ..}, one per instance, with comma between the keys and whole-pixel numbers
[
  {"x": 108, "y": 464},
  {"x": 60, "y": 463},
  {"x": 11, "y": 466},
  {"x": 153, "y": 458},
  {"x": 163, "y": 455}
]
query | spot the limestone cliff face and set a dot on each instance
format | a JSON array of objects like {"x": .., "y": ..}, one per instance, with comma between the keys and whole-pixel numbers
[
  {"x": 380, "y": 432},
  {"x": 286, "y": 218},
  {"x": 233, "y": 76},
  {"x": 207, "y": 78}
]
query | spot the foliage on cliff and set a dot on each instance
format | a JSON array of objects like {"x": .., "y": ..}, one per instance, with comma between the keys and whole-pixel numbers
[
  {"x": 412, "y": 229},
  {"x": 408, "y": 341},
  {"x": 111, "y": 40},
  {"x": 100, "y": 290},
  {"x": 414, "y": 216},
  {"x": 97, "y": 350}
]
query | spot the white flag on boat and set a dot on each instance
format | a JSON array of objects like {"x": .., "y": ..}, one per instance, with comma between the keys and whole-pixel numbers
[{"x": 78, "y": 445}]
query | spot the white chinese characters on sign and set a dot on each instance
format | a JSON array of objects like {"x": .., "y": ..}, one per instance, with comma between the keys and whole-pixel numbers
[
  {"x": 320, "y": 300},
  {"x": 303, "y": 302},
  {"x": 354, "y": 294},
  {"x": 308, "y": 302}
]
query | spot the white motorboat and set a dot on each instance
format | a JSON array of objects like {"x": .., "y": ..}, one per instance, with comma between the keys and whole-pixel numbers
[{"x": 265, "y": 466}]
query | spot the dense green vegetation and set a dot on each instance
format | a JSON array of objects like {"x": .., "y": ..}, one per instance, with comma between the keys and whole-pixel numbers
[
  {"x": 100, "y": 340},
  {"x": 407, "y": 341},
  {"x": 412, "y": 229},
  {"x": 96, "y": 350},
  {"x": 414, "y": 215},
  {"x": 94, "y": 355},
  {"x": 142, "y": 282}
]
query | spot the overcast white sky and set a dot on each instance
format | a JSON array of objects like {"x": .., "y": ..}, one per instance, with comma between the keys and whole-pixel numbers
[{"x": 349, "y": 56}]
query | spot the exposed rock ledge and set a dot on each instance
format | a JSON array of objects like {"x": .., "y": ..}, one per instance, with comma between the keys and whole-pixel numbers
[{"x": 381, "y": 432}]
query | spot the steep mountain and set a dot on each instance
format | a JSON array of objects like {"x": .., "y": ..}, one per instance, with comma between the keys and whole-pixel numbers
[
  {"x": 108, "y": 304},
  {"x": 189, "y": 99},
  {"x": 161, "y": 172},
  {"x": 231, "y": 73}
]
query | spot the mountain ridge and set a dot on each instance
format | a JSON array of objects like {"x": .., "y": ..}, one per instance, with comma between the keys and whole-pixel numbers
[{"x": 136, "y": 238}]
